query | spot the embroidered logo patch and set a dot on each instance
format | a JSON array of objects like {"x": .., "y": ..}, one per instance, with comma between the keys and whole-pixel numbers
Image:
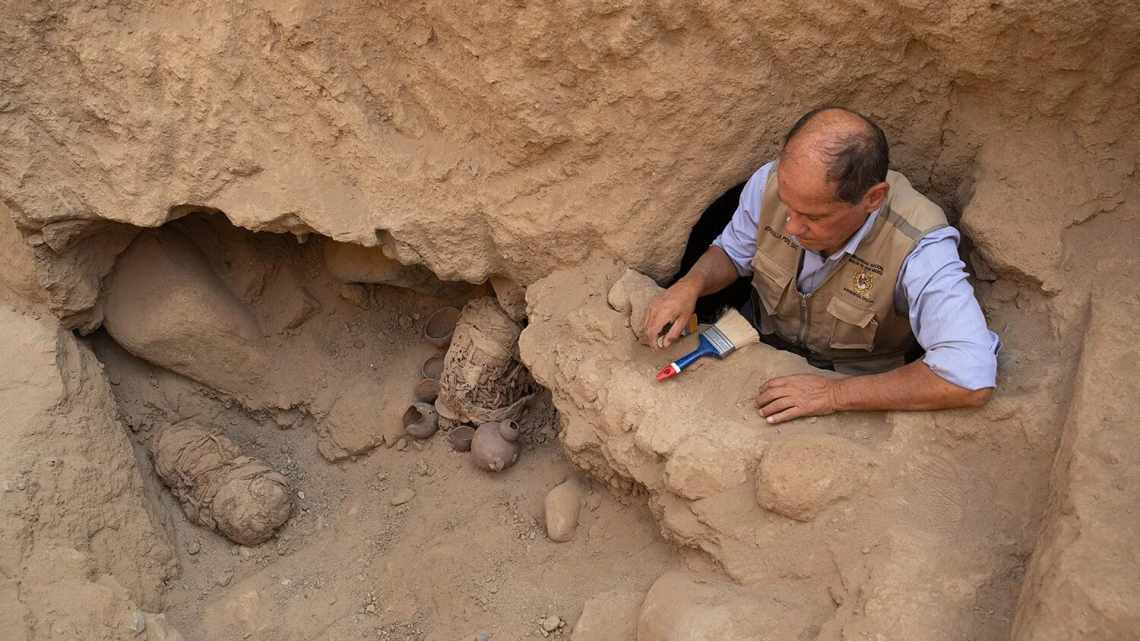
[{"x": 863, "y": 282}]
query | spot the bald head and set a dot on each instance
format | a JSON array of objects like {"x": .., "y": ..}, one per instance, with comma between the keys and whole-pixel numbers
[{"x": 846, "y": 148}]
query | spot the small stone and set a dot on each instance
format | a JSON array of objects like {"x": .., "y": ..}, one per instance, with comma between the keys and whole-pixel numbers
[
  {"x": 300, "y": 495},
  {"x": 403, "y": 496},
  {"x": 563, "y": 505},
  {"x": 246, "y": 553},
  {"x": 223, "y": 579},
  {"x": 193, "y": 547},
  {"x": 137, "y": 624},
  {"x": 370, "y": 608},
  {"x": 423, "y": 469},
  {"x": 355, "y": 294},
  {"x": 551, "y": 623},
  {"x": 866, "y": 550},
  {"x": 483, "y": 636},
  {"x": 402, "y": 444},
  {"x": 21, "y": 485}
]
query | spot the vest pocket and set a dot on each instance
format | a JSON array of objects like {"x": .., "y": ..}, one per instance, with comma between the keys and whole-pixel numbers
[
  {"x": 770, "y": 281},
  {"x": 854, "y": 326}
]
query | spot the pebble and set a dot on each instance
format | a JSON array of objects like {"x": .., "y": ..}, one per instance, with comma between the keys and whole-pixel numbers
[
  {"x": 550, "y": 624},
  {"x": 223, "y": 579},
  {"x": 403, "y": 496},
  {"x": 301, "y": 495},
  {"x": 193, "y": 547},
  {"x": 483, "y": 636},
  {"x": 563, "y": 505},
  {"x": 137, "y": 624},
  {"x": 402, "y": 444}
]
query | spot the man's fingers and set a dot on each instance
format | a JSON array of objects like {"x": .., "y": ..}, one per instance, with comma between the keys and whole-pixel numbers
[
  {"x": 674, "y": 332},
  {"x": 786, "y": 415},
  {"x": 768, "y": 395},
  {"x": 776, "y": 406}
]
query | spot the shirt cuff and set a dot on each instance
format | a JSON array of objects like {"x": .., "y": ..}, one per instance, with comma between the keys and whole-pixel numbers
[{"x": 971, "y": 368}]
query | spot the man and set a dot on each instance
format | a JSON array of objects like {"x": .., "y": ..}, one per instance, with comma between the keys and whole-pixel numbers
[{"x": 850, "y": 266}]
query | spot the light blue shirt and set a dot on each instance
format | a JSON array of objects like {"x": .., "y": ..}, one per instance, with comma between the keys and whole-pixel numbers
[{"x": 932, "y": 290}]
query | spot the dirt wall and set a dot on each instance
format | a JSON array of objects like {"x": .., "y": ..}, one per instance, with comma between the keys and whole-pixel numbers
[{"x": 516, "y": 138}]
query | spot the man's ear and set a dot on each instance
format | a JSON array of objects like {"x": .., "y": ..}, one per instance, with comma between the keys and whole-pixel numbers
[{"x": 875, "y": 197}]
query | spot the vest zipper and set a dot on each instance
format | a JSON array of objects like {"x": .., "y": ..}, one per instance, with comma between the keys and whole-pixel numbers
[{"x": 804, "y": 318}]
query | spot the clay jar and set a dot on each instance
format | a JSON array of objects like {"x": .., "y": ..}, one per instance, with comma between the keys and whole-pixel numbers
[
  {"x": 420, "y": 420},
  {"x": 440, "y": 326},
  {"x": 494, "y": 446}
]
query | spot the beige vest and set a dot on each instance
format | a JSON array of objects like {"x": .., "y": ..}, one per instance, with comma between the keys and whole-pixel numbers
[{"x": 850, "y": 320}]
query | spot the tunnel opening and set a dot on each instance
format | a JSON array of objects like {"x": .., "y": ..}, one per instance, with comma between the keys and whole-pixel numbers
[{"x": 280, "y": 393}]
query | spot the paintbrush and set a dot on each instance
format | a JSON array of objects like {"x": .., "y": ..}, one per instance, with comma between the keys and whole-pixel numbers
[{"x": 729, "y": 334}]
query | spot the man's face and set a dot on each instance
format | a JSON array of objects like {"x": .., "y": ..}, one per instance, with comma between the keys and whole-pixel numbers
[{"x": 816, "y": 217}]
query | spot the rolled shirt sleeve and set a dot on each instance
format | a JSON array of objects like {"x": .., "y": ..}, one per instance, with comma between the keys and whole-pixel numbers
[
  {"x": 738, "y": 239},
  {"x": 945, "y": 315}
]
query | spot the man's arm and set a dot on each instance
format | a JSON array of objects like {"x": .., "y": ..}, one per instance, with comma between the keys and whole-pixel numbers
[
  {"x": 911, "y": 387},
  {"x": 712, "y": 272},
  {"x": 728, "y": 258},
  {"x": 958, "y": 370}
]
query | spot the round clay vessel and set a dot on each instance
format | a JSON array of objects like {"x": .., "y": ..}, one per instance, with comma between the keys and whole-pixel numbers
[
  {"x": 420, "y": 420},
  {"x": 460, "y": 438},
  {"x": 441, "y": 325},
  {"x": 509, "y": 430},
  {"x": 490, "y": 450},
  {"x": 426, "y": 390},
  {"x": 432, "y": 367}
]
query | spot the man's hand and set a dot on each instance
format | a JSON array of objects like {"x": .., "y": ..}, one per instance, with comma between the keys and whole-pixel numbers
[
  {"x": 675, "y": 305},
  {"x": 787, "y": 397}
]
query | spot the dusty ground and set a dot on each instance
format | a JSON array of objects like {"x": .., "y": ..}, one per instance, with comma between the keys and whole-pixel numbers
[
  {"x": 548, "y": 145},
  {"x": 467, "y": 554}
]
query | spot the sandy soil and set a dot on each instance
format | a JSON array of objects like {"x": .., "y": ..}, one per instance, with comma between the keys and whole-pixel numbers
[{"x": 466, "y": 555}]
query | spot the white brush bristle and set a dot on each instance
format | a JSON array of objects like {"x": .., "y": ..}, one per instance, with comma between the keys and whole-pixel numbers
[{"x": 737, "y": 329}]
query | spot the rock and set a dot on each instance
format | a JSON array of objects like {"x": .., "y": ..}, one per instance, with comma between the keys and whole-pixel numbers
[
  {"x": 563, "y": 504},
  {"x": 237, "y": 496},
  {"x": 402, "y": 496},
  {"x": 550, "y": 624},
  {"x": 1083, "y": 580},
  {"x": 224, "y": 578},
  {"x": 685, "y": 607},
  {"x": 609, "y": 616},
  {"x": 801, "y": 476},
  {"x": 511, "y": 297},
  {"x": 193, "y": 547},
  {"x": 352, "y": 263},
  {"x": 354, "y": 424},
  {"x": 159, "y": 629},
  {"x": 81, "y": 548},
  {"x": 18, "y": 258},
  {"x": 164, "y": 304},
  {"x": 631, "y": 295},
  {"x": 355, "y": 294}
]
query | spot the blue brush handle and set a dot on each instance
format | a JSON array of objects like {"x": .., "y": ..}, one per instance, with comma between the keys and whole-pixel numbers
[{"x": 704, "y": 348}]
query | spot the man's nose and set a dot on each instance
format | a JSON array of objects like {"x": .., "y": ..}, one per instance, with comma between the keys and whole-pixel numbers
[{"x": 795, "y": 225}]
